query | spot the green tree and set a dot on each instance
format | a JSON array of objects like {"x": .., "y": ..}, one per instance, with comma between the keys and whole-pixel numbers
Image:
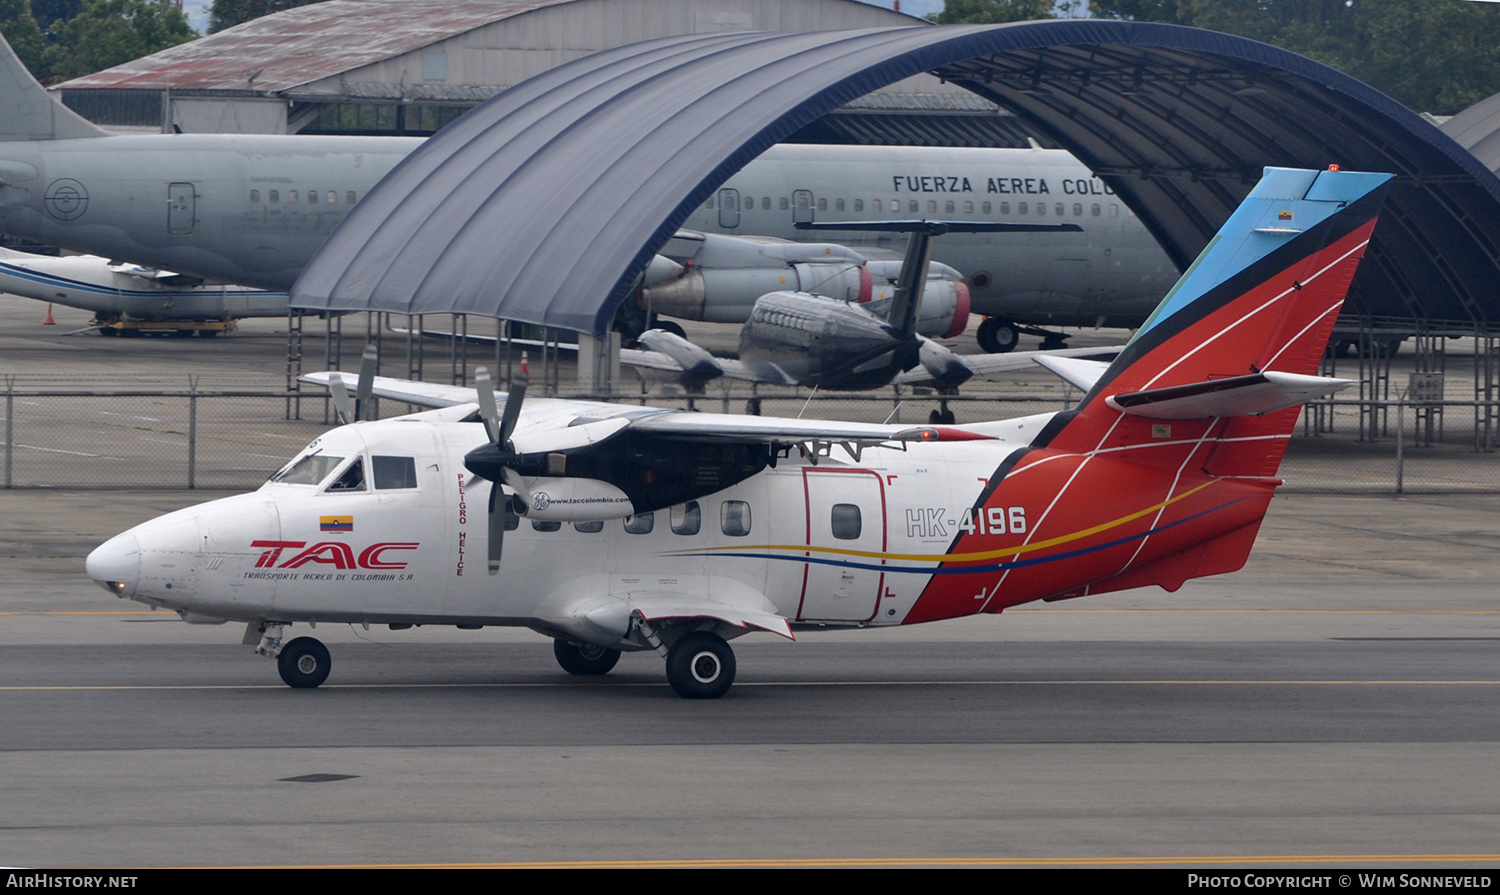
[
  {"x": 1433, "y": 55},
  {"x": 228, "y": 13},
  {"x": 23, "y": 35},
  {"x": 106, "y": 33},
  {"x": 48, "y": 11},
  {"x": 988, "y": 12}
]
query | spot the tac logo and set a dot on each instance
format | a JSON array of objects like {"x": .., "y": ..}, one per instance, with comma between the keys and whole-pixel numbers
[
  {"x": 332, "y": 553},
  {"x": 66, "y": 199}
]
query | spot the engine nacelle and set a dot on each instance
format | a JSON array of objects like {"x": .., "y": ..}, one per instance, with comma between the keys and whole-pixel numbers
[
  {"x": 569, "y": 499},
  {"x": 726, "y": 295},
  {"x": 945, "y": 299}
]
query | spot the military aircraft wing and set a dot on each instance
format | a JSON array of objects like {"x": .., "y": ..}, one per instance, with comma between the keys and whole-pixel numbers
[
  {"x": 694, "y": 366},
  {"x": 989, "y": 366}
]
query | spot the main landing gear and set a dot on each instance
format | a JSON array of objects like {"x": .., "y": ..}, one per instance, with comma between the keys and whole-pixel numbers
[
  {"x": 584, "y": 658},
  {"x": 998, "y": 336},
  {"x": 700, "y": 665}
]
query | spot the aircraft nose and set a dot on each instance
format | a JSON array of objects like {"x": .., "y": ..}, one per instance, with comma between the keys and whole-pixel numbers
[{"x": 116, "y": 564}]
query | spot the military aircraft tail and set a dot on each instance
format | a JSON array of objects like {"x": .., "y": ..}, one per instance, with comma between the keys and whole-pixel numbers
[{"x": 29, "y": 112}]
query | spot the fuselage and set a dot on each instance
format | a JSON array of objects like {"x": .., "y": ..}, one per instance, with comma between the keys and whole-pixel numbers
[
  {"x": 253, "y": 210},
  {"x": 1113, "y": 273}
]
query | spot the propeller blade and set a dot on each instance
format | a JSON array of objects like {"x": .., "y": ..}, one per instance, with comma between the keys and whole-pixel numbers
[
  {"x": 513, "y": 408},
  {"x": 488, "y": 410},
  {"x": 341, "y": 406},
  {"x": 497, "y": 526},
  {"x": 363, "y": 392}
]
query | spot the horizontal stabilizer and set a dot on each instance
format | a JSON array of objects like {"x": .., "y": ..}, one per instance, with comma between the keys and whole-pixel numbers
[
  {"x": 1253, "y": 395},
  {"x": 1075, "y": 371}
]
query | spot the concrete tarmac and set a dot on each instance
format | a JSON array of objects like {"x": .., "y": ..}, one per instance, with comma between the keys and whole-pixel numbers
[{"x": 1330, "y": 705}]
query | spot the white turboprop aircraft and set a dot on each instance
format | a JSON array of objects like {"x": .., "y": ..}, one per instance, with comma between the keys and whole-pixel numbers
[{"x": 633, "y": 528}]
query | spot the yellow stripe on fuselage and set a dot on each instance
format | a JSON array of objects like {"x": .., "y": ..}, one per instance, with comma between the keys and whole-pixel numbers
[{"x": 979, "y": 556}]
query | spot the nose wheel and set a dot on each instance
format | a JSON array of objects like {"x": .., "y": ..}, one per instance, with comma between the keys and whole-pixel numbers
[
  {"x": 700, "y": 665},
  {"x": 304, "y": 663}
]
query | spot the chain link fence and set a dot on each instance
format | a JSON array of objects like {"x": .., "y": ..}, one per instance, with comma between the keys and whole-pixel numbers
[{"x": 67, "y": 436}]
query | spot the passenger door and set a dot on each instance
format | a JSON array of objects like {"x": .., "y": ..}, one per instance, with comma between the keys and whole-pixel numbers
[{"x": 845, "y": 531}]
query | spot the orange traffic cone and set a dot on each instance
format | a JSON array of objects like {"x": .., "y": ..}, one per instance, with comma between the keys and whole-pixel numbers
[{"x": 48, "y": 321}]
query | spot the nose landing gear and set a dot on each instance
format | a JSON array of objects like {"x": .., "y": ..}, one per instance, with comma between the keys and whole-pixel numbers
[{"x": 304, "y": 663}]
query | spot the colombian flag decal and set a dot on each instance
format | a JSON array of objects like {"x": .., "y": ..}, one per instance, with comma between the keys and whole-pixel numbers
[{"x": 335, "y": 523}]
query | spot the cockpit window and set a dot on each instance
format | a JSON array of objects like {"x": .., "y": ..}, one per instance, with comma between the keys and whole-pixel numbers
[
  {"x": 310, "y": 470},
  {"x": 352, "y": 479},
  {"x": 394, "y": 472}
]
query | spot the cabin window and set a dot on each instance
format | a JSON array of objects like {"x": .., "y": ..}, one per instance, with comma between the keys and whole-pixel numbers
[
  {"x": 546, "y": 524},
  {"x": 312, "y": 197},
  {"x": 859, "y": 205},
  {"x": 353, "y": 479},
  {"x": 709, "y": 204},
  {"x": 1004, "y": 208},
  {"x": 589, "y": 528},
  {"x": 948, "y": 207},
  {"x": 932, "y": 206},
  {"x": 765, "y": 203},
  {"x": 310, "y": 470},
  {"x": 394, "y": 472},
  {"x": 291, "y": 197},
  {"x": 255, "y": 197},
  {"x": 1077, "y": 210},
  {"x": 822, "y": 204},
  {"x": 1094, "y": 209},
  {"x": 1114, "y": 210},
  {"x": 1058, "y": 208},
  {"x": 734, "y": 518},
  {"x": 1041, "y": 208},
  {"x": 686, "y": 518},
  {"x": 969, "y": 208},
  {"x": 349, "y": 197},
  {"x": 896, "y": 205},
  {"x": 749, "y": 203},
  {"x": 838, "y": 204},
  {"x": 275, "y": 196},
  {"x": 333, "y": 197},
  {"x": 912, "y": 206},
  {"x": 785, "y": 203},
  {"x": 846, "y": 521},
  {"x": 640, "y": 523},
  {"x": 1020, "y": 208}
]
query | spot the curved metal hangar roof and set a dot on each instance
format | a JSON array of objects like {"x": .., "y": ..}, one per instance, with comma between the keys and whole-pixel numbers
[{"x": 544, "y": 203}]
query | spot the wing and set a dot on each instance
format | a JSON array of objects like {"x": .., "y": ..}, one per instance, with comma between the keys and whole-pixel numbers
[{"x": 990, "y": 366}]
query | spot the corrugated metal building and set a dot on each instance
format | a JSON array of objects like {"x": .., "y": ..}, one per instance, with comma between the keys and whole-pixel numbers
[{"x": 411, "y": 66}]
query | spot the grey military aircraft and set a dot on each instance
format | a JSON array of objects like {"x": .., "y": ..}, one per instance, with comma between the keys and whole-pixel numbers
[
  {"x": 796, "y": 338},
  {"x": 252, "y": 209}
]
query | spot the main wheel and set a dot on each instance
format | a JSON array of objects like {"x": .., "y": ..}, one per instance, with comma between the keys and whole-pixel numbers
[
  {"x": 998, "y": 335},
  {"x": 584, "y": 658},
  {"x": 304, "y": 663},
  {"x": 700, "y": 666}
]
